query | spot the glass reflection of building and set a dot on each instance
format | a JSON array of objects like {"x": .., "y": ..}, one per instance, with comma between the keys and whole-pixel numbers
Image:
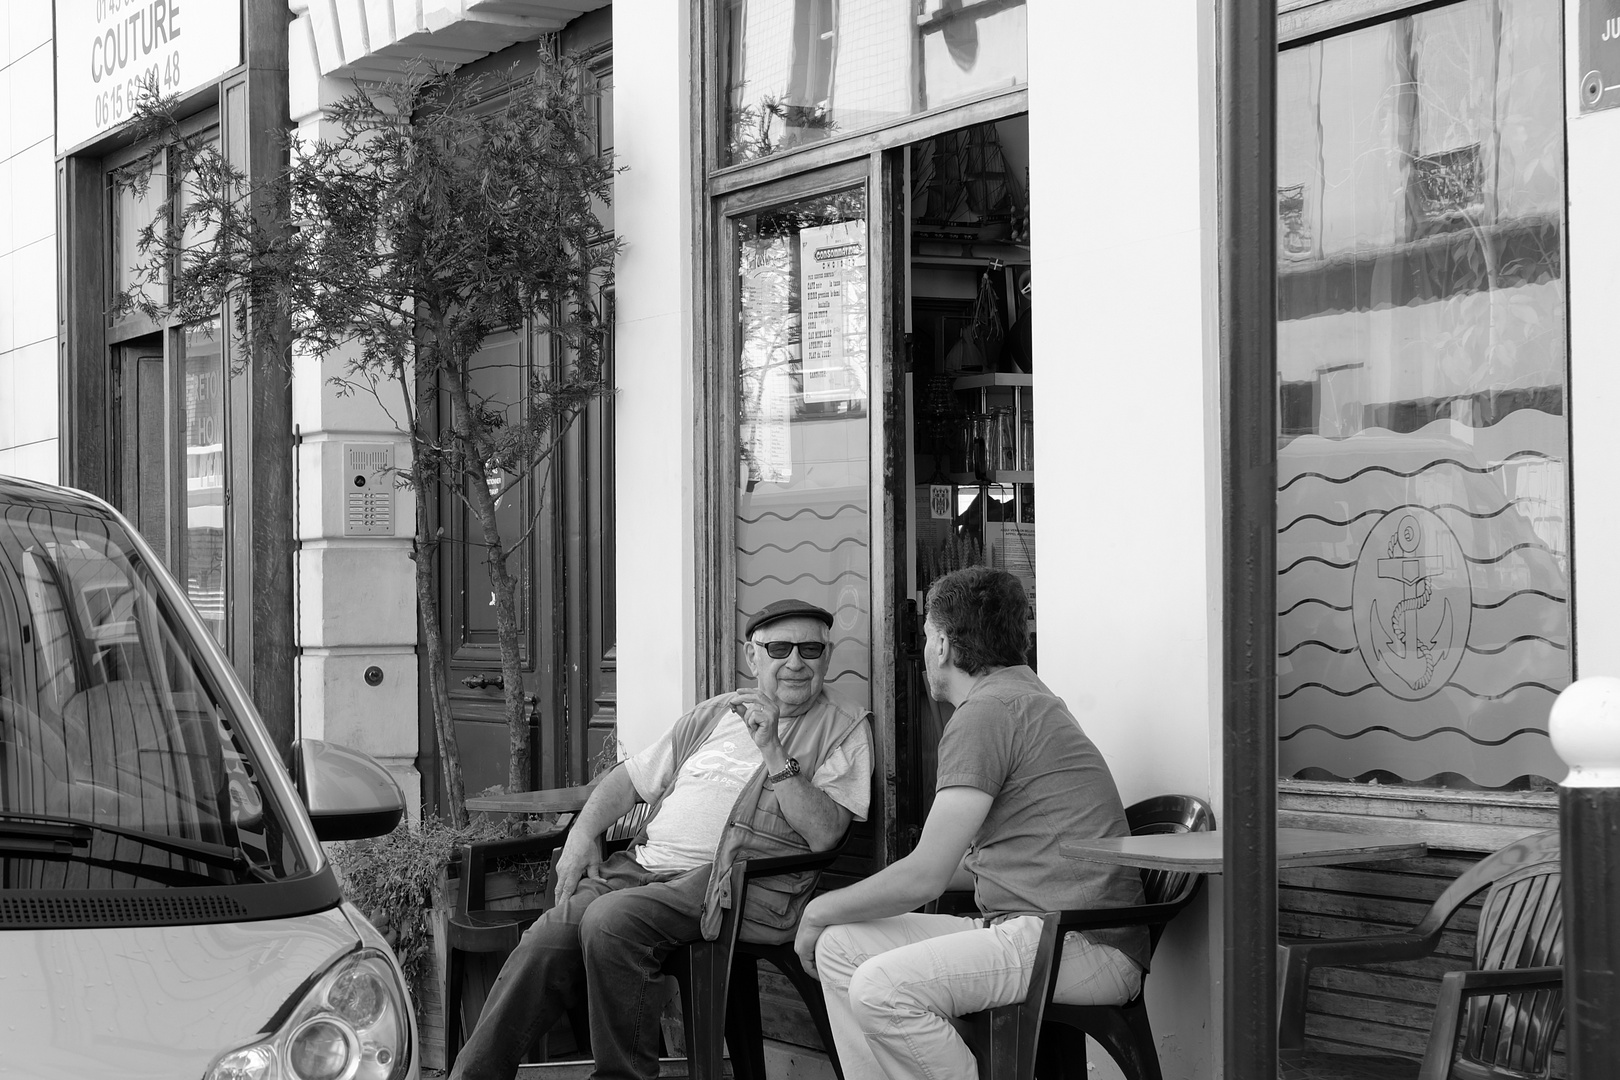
[{"x": 1423, "y": 555}]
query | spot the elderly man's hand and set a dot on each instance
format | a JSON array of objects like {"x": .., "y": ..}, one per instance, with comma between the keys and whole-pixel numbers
[
  {"x": 763, "y": 716},
  {"x": 580, "y": 858}
]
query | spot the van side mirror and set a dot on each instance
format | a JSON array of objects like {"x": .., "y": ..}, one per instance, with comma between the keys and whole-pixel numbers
[{"x": 349, "y": 796}]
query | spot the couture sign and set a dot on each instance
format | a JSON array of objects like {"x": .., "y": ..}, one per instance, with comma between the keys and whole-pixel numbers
[{"x": 107, "y": 51}]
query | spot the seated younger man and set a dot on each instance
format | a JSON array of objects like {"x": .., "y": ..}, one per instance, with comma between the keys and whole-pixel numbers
[{"x": 1016, "y": 775}]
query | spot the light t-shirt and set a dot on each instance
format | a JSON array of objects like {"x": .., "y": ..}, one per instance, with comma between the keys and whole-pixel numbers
[{"x": 685, "y": 833}]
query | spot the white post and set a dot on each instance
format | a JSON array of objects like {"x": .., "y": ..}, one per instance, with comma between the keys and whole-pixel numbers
[{"x": 1585, "y": 729}]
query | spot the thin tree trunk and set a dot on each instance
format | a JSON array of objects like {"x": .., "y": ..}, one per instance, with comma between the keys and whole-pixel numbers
[
  {"x": 475, "y": 482},
  {"x": 427, "y": 603}
]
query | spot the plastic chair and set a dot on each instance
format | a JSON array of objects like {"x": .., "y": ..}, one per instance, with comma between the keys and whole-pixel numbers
[
  {"x": 474, "y": 928},
  {"x": 719, "y": 981},
  {"x": 1054, "y": 1044},
  {"x": 1508, "y": 1010},
  {"x": 1124, "y": 1030},
  {"x": 1005, "y": 1039}
]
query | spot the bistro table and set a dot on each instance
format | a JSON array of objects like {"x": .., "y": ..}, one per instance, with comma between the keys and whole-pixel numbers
[
  {"x": 562, "y": 800},
  {"x": 1200, "y": 852}
]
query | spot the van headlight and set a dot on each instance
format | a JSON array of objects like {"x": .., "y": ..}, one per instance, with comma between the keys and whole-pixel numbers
[{"x": 352, "y": 1024}]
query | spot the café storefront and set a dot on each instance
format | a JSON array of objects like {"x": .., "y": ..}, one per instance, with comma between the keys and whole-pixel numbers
[{"x": 873, "y": 191}]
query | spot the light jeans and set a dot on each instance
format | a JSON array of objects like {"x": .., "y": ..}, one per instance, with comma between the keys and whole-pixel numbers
[{"x": 892, "y": 985}]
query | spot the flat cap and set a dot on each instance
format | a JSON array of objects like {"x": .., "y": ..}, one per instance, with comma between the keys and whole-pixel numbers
[{"x": 786, "y": 609}]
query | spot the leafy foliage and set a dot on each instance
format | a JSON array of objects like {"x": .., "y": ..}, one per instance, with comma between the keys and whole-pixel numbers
[{"x": 444, "y": 208}]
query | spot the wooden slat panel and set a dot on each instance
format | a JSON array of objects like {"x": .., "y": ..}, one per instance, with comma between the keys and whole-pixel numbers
[
  {"x": 782, "y": 1012},
  {"x": 1419, "y": 988},
  {"x": 1419, "y": 879},
  {"x": 1289, "y": 924},
  {"x": 1439, "y": 835},
  {"x": 1320, "y": 1030},
  {"x": 1388, "y": 1007},
  {"x": 1393, "y": 912}
]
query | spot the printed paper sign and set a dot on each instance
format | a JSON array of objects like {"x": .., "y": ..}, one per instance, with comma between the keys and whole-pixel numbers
[{"x": 832, "y": 294}]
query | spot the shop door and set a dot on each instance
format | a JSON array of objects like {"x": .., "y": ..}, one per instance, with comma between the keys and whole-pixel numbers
[
  {"x": 472, "y": 647},
  {"x": 141, "y": 467},
  {"x": 804, "y": 408},
  {"x": 563, "y": 515}
]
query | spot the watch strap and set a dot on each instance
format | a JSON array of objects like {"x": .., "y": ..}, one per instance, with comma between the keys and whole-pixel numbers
[{"x": 789, "y": 770}]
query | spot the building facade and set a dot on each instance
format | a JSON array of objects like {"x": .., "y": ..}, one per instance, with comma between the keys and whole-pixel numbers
[{"x": 831, "y": 383}]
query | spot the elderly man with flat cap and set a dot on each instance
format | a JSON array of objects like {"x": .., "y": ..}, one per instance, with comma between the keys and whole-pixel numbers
[{"x": 775, "y": 769}]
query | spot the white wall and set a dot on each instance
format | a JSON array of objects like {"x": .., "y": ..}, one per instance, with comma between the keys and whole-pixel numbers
[
  {"x": 356, "y": 595},
  {"x": 656, "y": 506},
  {"x": 28, "y": 364},
  {"x": 1593, "y": 276},
  {"x": 1126, "y": 450}
]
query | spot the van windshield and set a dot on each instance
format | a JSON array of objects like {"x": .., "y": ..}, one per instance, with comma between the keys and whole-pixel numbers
[{"x": 120, "y": 765}]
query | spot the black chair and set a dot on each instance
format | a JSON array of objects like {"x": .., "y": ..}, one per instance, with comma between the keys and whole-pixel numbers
[
  {"x": 1122, "y": 1030},
  {"x": 474, "y": 928},
  {"x": 1507, "y": 1010},
  {"x": 1005, "y": 1039},
  {"x": 719, "y": 981}
]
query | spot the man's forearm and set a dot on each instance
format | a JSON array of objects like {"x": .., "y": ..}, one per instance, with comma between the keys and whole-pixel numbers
[
  {"x": 896, "y": 889},
  {"x": 612, "y": 796},
  {"x": 812, "y": 812}
]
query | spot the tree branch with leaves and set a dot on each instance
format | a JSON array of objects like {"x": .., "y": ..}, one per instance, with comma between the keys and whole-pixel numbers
[{"x": 445, "y": 209}]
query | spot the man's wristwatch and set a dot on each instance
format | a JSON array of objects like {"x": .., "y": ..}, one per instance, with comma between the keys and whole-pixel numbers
[{"x": 791, "y": 769}]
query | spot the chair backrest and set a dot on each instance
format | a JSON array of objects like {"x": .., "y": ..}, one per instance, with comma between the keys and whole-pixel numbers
[
  {"x": 1169, "y": 814},
  {"x": 1521, "y": 925}
]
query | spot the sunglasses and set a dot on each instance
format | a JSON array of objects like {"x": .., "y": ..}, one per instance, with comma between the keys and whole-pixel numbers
[{"x": 778, "y": 650}]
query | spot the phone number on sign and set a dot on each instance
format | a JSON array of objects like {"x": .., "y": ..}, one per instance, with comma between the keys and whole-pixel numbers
[{"x": 116, "y": 102}]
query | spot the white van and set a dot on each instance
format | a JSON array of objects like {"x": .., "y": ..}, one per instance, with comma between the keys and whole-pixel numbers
[{"x": 165, "y": 908}]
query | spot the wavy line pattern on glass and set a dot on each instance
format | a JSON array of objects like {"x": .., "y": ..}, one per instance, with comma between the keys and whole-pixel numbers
[
  {"x": 828, "y": 582},
  {"x": 828, "y": 550},
  {"x": 1486, "y": 766},
  {"x": 1477, "y": 470},
  {"x": 1319, "y": 559},
  {"x": 1521, "y": 592},
  {"x": 1380, "y": 511},
  {"x": 1410, "y": 738},
  {"x": 779, "y": 516},
  {"x": 1514, "y": 641},
  {"x": 1320, "y": 645},
  {"x": 1479, "y": 561},
  {"x": 1313, "y": 600},
  {"x": 1527, "y": 685}
]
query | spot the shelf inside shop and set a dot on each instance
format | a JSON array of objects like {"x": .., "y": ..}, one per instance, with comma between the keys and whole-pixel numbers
[
  {"x": 991, "y": 379},
  {"x": 997, "y": 476}
]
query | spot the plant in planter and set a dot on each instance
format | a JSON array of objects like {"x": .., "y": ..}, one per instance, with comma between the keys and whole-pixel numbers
[{"x": 398, "y": 882}]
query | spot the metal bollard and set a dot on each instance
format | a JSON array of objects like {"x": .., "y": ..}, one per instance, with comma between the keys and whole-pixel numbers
[{"x": 1585, "y": 729}]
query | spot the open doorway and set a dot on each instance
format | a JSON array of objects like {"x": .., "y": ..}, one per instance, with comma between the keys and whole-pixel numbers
[{"x": 969, "y": 479}]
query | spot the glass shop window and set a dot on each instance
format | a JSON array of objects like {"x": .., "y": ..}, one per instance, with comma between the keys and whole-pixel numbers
[
  {"x": 800, "y": 71},
  {"x": 1423, "y": 518},
  {"x": 803, "y": 428}
]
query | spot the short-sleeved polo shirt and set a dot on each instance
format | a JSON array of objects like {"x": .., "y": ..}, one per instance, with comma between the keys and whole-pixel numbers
[{"x": 1015, "y": 740}]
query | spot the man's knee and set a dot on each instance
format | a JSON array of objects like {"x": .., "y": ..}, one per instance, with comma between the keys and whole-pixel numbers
[
  {"x": 838, "y": 954},
  {"x": 549, "y": 934},
  {"x": 876, "y": 996},
  {"x": 614, "y": 919}
]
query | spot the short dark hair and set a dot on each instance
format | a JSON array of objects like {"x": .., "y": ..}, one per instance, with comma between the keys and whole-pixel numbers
[{"x": 985, "y": 614}]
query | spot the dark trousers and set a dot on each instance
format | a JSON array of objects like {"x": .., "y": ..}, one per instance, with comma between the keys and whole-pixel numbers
[{"x": 607, "y": 944}]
